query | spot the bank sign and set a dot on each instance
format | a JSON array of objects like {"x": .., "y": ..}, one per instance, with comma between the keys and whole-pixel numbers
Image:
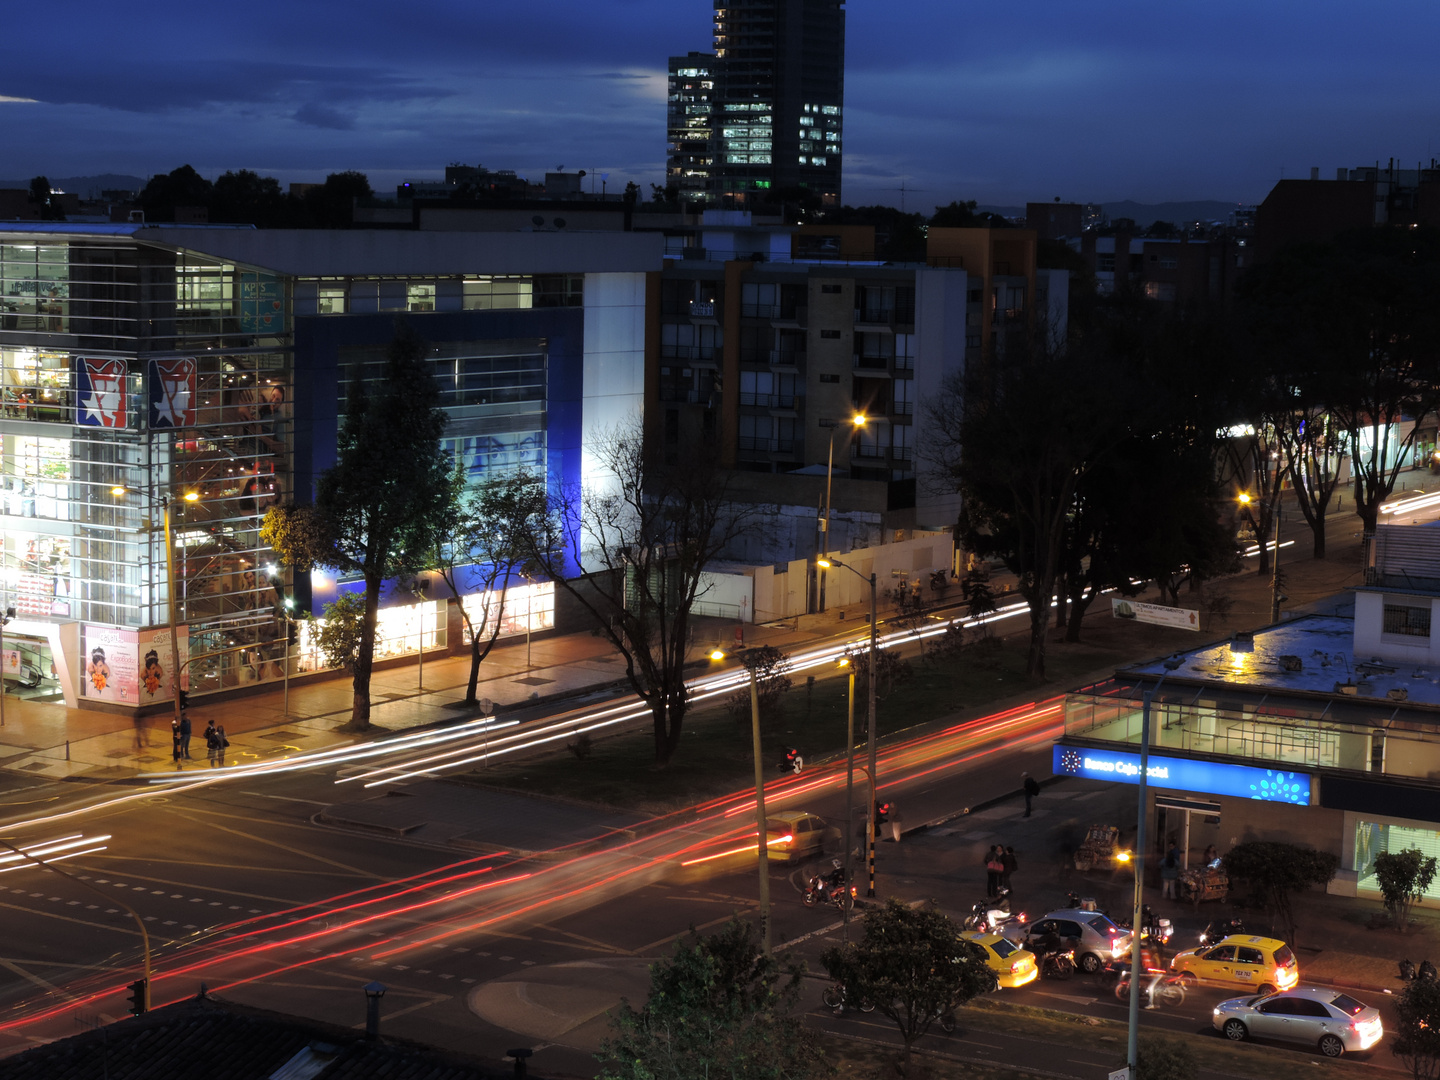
[{"x": 1184, "y": 774}]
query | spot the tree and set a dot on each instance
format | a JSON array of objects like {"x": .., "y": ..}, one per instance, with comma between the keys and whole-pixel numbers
[
  {"x": 718, "y": 1008},
  {"x": 772, "y": 681},
  {"x": 913, "y": 964},
  {"x": 975, "y": 588},
  {"x": 1404, "y": 877},
  {"x": 964, "y": 215},
  {"x": 1417, "y": 1034},
  {"x": 341, "y": 631},
  {"x": 378, "y": 509},
  {"x": 179, "y": 187},
  {"x": 247, "y": 197},
  {"x": 645, "y": 533},
  {"x": 1275, "y": 871},
  {"x": 481, "y": 548},
  {"x": 890, "y": 668},
  {"x": 332, "y": 204},
  {"x": 1164, "y": 1059},
  {"x": 40, "y": 193},
  {"x": 1355, "y": 319}
]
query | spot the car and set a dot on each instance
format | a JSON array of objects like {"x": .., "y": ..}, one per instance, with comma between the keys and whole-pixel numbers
[
  {"x": 1261, "y": 964},
  {"x": 1012, "y": 965},
  {"x": 1094, "y": 937},
  {"x": 1327, "y": 1019},
  {"x": 795, "y": 835}
]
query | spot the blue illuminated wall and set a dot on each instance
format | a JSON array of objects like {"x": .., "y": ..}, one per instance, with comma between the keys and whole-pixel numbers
[{"x": 1184, "y": 774}]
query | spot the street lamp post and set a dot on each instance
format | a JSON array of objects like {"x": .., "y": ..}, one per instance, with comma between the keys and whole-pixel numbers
[
  {"x": 870, "y": 725},
  {"x": 165, "y": 503},
  {"x": 1276, "y": 597},
  {"x": 822, "y": 538},
  {"x": 4, "y": 621},
  {"x": 849, "y": 782},
  {"x": 1139, "y": 861}
]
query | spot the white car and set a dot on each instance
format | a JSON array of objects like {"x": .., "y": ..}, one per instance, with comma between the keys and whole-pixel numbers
[{"x": 1329, "y": 1020}]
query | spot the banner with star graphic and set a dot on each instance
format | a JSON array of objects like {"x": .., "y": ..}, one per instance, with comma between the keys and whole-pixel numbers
[
  {"x": 101, "y": 398},
  {"x": 172, "y": 393}
]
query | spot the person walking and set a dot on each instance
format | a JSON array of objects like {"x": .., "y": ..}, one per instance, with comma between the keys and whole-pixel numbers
[
  {"x": 185, "y": 735},
  {"x": 1010, "y": 864},
  {"x": 212, "y": 743},
  {"x": 1170, "y": 873},
  {"x": 994, "y": 867},
  {"x": 1032, "y": 789}
]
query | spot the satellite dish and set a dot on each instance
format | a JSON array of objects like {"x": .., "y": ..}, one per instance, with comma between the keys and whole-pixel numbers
[{"x": 559, "y": 168}]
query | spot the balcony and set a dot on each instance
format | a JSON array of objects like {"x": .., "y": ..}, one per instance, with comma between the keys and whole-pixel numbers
[
  {"x": 768, "y": 401},
  {"x": 904, "y": 363},
  {"x": 880, "y": 364},
  {"x": 787, "y": 357},
  {"x": 704, "y": 353},
  {"x": 767, "y": 446},
  {"x": 902, "y": 408},
  {"x": 867, "y": 451}
]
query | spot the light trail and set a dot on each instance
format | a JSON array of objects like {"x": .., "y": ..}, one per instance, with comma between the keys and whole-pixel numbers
[{"x": 52, "y": 851}]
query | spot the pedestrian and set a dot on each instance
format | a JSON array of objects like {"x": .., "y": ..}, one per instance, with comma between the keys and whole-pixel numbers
[
  {"x": 175, "y": 738},
  {"x": 994, "y": 867},
  {"x": 1009, "y": 862},
  {"x": 224, "y": 744},
  {"x": 1031, "y": 790},
  {"x": 185, "y": 735},
  {"x": 212, "y": 743},
  {"x": 1211, "y": 857},
  {"x": 1170, "y": 873}
]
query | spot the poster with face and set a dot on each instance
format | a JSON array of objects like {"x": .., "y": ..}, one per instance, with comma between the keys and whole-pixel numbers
[
  {"x": 110, "y": 663},
  {"x": 157, "y": 668}
]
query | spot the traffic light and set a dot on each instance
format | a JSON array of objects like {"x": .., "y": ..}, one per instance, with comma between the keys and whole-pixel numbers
[
  {"x": 882, "y": 815},
  {"x": 184, "y": 699},
  {"x": 139, "y": 997}
]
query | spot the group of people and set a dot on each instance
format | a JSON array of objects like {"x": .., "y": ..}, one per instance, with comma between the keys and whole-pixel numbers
[
  {"x": 1171, "y": 865},
  {"x": 215, "y": 740},
  {"x": 1000, "y": 863}
]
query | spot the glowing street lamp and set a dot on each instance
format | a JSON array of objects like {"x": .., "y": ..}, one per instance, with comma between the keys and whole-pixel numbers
[{"x": 822, "y": 545}]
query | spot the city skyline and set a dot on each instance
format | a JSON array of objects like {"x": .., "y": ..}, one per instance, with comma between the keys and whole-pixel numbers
[{"x": 1123, "y": 101}]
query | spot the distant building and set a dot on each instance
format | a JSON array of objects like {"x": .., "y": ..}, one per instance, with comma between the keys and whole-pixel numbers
[
  {"x": 1055, "y": 220},
  {"x": 1171, "y": 269},
  {"x": 776, "y": 90},
  {"x": 1297, "y": 211}
]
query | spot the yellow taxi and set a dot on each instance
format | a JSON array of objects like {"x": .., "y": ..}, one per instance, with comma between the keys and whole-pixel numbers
[
  {"x": 1012, "y": 965},
  {"x": 1259, "y": 964}
]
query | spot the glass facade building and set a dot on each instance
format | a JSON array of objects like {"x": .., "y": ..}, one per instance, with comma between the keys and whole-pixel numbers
[{"x": 194, "y": 376}]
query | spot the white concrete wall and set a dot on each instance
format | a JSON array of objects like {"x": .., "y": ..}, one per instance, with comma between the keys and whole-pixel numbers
[
  {"x": 939, "y": 353},
  {"x": 614, "y": 371},
  {"x": 1370, "y": 640},
  {"x": 726, "y": 596}
]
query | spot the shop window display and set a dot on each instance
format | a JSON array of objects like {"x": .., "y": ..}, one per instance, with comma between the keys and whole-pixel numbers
[
  {"x": 1372, "y": 838},
  {"x": 36, "y": 385},
  {"x": 34, "y": 288}
]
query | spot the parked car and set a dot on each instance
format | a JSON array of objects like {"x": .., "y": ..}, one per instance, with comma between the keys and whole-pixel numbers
[
  {"x": 1331, "y": 1021},
  {"x": 1257, "y": 963},
  {"x": 795, "y": 836},
  {"x": 1012, "y": 965},
  {"x": 1095, "y": 938}
]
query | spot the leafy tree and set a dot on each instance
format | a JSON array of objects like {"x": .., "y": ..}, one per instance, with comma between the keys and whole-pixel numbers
[
  {"x": 1275, "y": 871},
  {"x": 179, "y": 187},
  {"x": 772, "y": 681},
  {"x": 890, "y": 667},
  {"x": 1355, "y": 321},
  {"x": 1404, "y": 877},
  {"x": 377, "y": 510},
  {"x": 964, "y": 215},
  {"x": 481, "y": 548},
  {"x": 719, "y": 1009},
  {"x": 1417, "y": 1033},
  {"x": 40, "y": 193},
  {"x": 332, "y": 204},
  {"x": 913, "y": 965},
  {"x": 1165, "y": 1059},
  {"x": 899, "y": 236},
  {"x": 645, "y": 533},
  {"x": 247, "y": 197},
  {"x": 340, "y": 634},
  {"x": 975, "y": 588}
]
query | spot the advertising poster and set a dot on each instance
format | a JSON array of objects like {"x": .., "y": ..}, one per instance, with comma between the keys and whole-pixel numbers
[
  {"x": 100, "y": 392},
  {"x": 132, "y": 667},
  {"x": 262, "y": 304},
  {"x": 110, "y": 662},
  {"x": 1173, "y": 617},
  {"x": 172, "y": 393}
]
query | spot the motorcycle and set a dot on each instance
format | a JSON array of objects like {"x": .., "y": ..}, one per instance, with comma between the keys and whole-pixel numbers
[
  {"x": 792, "y": 762},
  {"x": 1218, "y": 929},
  {"x": 1168, "y": 990},
  {"x": 829, "y": 888},
  {"x": 1057, "y": 965},
  {"x": 835, "y": 998},
  {"x": 994, "y": 915}
]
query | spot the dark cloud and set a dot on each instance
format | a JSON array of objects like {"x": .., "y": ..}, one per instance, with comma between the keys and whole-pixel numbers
[{"x": 322, "y": 116}]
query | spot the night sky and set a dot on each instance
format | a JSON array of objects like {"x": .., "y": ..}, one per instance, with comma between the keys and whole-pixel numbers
[{"x": 997, "y": 102}]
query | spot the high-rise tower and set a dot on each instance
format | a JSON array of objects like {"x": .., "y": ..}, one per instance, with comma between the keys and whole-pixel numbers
[
  {"x": 689, "y": 116},
  {"x": 778, "y": 89}
]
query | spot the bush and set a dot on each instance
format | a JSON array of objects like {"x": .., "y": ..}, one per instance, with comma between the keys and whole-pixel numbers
[
  {"x": 1164, "y": 1059},
  {"x": 1404, "y": 876}
]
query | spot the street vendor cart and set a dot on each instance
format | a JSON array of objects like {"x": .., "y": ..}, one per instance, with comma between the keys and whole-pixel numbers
[
  {"x": 1100, "y": 849},
  {"x": 1204, "y": 883}
]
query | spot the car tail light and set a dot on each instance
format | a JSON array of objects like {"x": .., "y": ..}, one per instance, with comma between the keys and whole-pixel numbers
[{"x": 1017, "y": 967}]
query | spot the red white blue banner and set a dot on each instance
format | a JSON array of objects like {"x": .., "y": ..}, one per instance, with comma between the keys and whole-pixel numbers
[
  {"x": 172, "y": 393},
  {"x": 100, "y": 394}
]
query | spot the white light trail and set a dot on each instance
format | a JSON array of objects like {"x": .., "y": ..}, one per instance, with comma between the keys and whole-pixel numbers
[{"x": 50, "y": 851}]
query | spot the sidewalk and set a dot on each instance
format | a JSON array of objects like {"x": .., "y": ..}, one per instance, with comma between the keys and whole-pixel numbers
[{"x": 57, "y": 742}]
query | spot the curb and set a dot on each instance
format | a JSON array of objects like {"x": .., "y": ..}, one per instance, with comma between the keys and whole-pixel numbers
[{"x": 985, "y": 805}]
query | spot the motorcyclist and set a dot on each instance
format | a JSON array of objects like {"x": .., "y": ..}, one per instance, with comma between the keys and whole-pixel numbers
[
  {"x": 1048, "y": 943},
  {"x": 835, "y": 880}
]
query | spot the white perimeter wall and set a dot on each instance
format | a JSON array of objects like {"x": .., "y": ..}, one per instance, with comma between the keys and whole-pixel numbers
[{"x": 614, "y": 390}]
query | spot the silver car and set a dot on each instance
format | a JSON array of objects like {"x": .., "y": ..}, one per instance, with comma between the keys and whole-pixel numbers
[
  {"x": 1096, "y": 940},
  {"x": 1329, "y": 1020}
]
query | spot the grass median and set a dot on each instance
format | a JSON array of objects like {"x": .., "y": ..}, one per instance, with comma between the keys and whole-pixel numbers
[{"x": 715, "y": 750}]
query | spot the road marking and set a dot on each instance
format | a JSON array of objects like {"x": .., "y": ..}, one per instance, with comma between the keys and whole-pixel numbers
[
  {"x": 311, "y": 855},
  {"x": 287, "y": 798}
]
